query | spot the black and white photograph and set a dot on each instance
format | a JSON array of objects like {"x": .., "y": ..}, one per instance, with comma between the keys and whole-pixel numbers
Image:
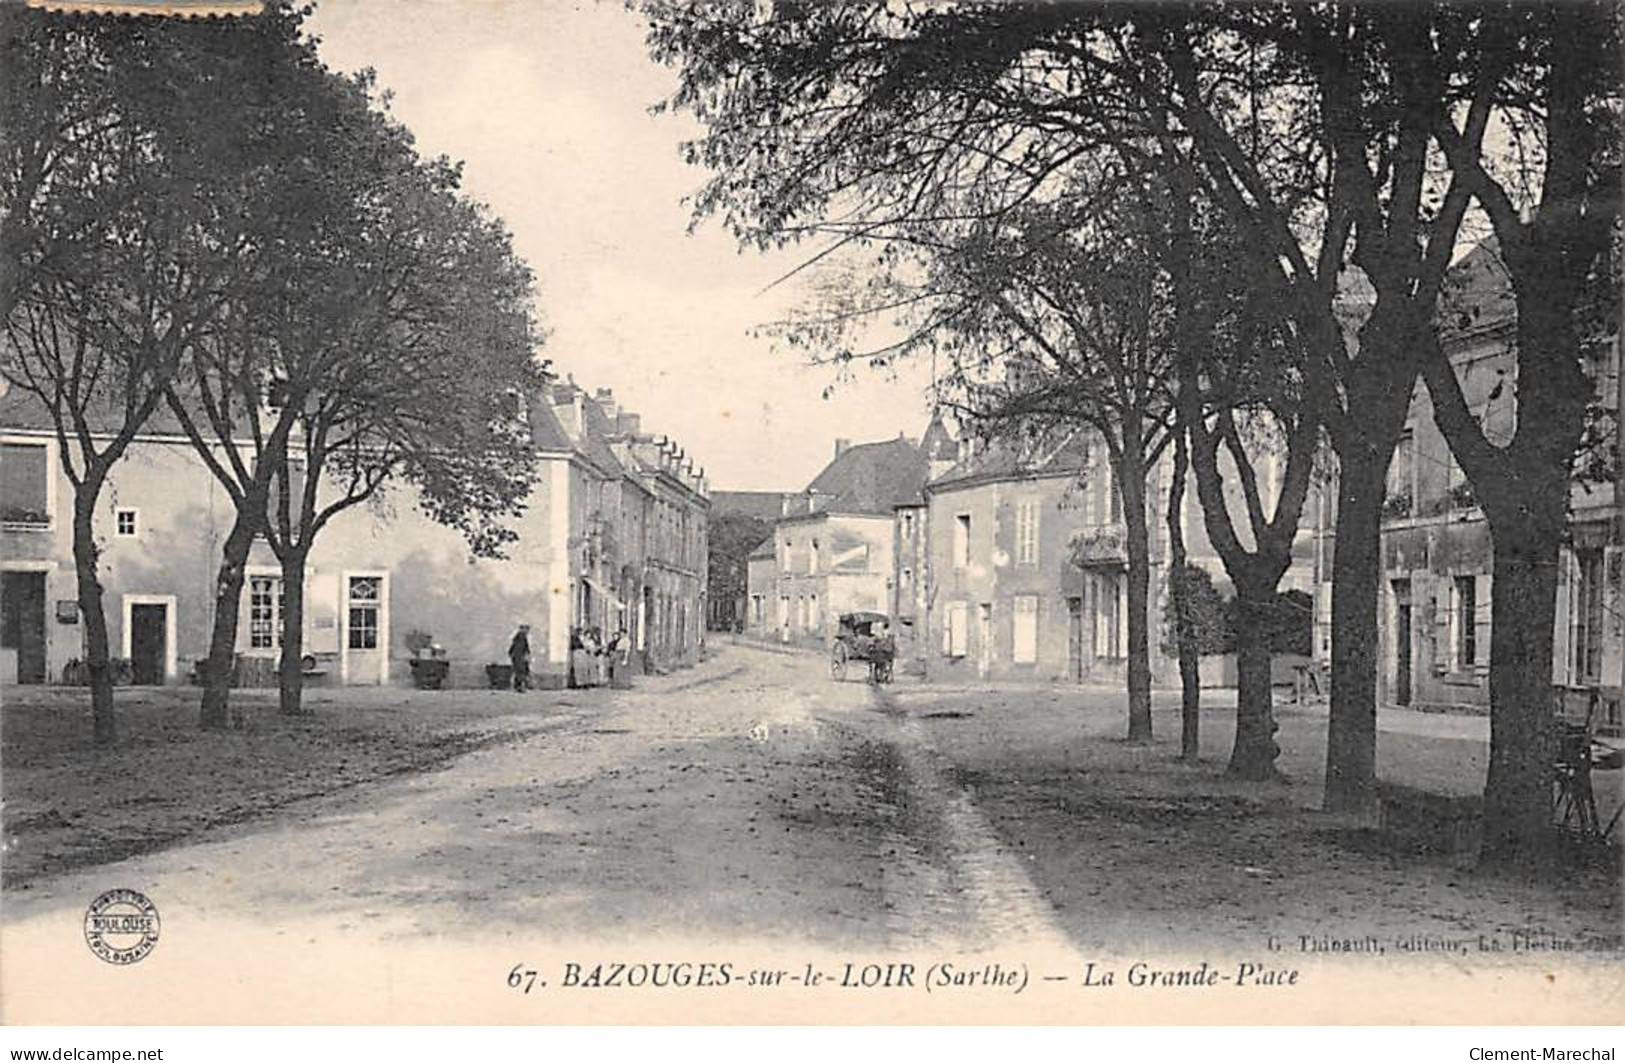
[{"x": 758, "y": 512}]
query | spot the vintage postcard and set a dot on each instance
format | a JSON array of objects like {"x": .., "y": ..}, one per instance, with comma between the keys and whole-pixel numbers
[{"x": 758, "y": 512}]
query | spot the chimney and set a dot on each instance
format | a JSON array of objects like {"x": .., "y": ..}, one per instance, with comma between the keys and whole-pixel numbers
[
  {"x": 567, "y": 407},
  {"x": 605, "y": 398},
  {"x": 627, "y": 424},
  {"x": 842, "y": 446}
]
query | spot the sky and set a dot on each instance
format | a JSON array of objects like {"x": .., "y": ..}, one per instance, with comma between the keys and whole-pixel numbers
[{"x": 547, "y": 104}]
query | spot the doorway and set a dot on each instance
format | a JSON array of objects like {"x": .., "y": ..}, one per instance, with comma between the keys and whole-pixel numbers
[
  {"x": 149, "y": 644},
  {"x": 1074, "y": 639},
  {"x": 22, "y": 622},
  {"x": 365, "y": 648},
  {"x": 148, "y": 641},
  {"x": 1402, "y": 642}
]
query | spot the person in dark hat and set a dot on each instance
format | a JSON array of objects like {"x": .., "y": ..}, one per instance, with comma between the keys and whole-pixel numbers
[{"x": 519, "y": 657}]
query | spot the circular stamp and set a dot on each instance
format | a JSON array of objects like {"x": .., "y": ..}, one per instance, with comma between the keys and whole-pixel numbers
[{"x": 121, "y": 926}]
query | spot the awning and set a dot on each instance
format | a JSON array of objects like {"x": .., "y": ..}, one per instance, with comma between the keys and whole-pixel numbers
[{"x": 604, "y": 592}]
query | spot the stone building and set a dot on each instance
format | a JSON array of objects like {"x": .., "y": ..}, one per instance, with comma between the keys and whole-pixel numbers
[
  {"x": 833, "y": 552},
  {"x": 1435, "y": 613},
  {"x": 612, "y": 538}
]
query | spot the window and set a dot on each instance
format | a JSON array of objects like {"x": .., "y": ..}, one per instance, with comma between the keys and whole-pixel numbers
[
  {"x": 124, "y": 523},
  {"x": 265, "y": 602},
  {"x": 812, "y": 558},
  {"x": 1458, "y": 490},
  {"x": 908, "y": 527},
  {"x": 1106, "y": 503},
  {"x": 1588, "y": 616},
  {"x": 1465, "y": 616},
  {"x": 1109, "y": 616},
  {"x": 905, "y": 582},
  {"x": 1025, "y": 629},
  {"x": 962, "y": 541},
  {"x": 1027, "y": 532},
  {"x": 364, "y": 602},
  {"x": 1401, "y": 474},
  {"x": 813, "y": 619},
  {"x": 25, "y": 489},
  {"x": 954, "y": 635},
  {"x": 277, "y": 393}
]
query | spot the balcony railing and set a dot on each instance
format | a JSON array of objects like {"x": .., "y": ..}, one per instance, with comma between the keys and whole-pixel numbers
[{"x": 1103, "y": 544}]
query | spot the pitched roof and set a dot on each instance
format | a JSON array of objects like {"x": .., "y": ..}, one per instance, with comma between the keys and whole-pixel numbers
[
  {"x": 938, "y": 442},
  {"x": 763, "y": 505},
  {"x": 871, "y": 477},
  {"x": 1477, "y": 293},
  {"x": 1010, "y": 460},
  {"x": 596, "y": 430},
  {"x": 763, "y": 549},
  {"x": 546, "y": 431},
  {"x": 22, "y": 409}
]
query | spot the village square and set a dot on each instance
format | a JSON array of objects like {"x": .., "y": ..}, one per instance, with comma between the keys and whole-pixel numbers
[{"x": 840, "y": 478}]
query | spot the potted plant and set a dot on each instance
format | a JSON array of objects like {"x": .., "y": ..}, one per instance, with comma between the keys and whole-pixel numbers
[{"x": 428, "y": 663}]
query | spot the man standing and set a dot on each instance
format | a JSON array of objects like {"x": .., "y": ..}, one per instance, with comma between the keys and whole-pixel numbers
[{"x": 519, "y": 657}]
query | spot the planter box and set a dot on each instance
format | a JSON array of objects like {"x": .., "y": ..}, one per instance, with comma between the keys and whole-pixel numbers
[{"x": 429, "y": 673}]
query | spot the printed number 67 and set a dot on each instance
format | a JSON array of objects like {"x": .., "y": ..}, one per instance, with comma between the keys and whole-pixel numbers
[{"x": 521, "y": 976}]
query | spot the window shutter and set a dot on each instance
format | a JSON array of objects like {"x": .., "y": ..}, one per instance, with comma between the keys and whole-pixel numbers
[
  {"x": 1564, "y": 627},
  {"x": 1122, "y": 617},
  {"x": 1024, "y": 629},
  {"x": 1102, "y": 643},
  {"x": 956, "y": 629},
  {"x": 1444, "y": 611},
  {"x": 1482, "y": 610}
]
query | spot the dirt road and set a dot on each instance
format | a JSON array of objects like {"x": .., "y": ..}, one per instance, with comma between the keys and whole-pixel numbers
[{"x": 753, "y": 797}]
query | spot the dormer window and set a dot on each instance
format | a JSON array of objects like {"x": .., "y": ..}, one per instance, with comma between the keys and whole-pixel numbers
[{"x": 277, "y": 393}]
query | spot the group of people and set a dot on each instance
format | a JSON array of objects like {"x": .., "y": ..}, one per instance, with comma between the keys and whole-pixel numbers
[{"x": 593, "y": 658}]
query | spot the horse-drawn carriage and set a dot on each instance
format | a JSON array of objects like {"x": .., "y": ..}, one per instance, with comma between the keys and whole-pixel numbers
[{"x": 864, "y": 637}]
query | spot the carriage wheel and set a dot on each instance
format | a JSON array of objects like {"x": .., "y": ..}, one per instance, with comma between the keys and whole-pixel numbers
[{"x": 837, "y": 662}]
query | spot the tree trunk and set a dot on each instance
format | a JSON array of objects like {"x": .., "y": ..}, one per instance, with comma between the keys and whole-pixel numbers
[
  {"x": 291, "y": 669},
  {"x": 98, "y": 651},
  {"x": 222, "y": 662},
  {"x": 1523, "y": 488},
  {"x": 1190, "y": 673},
  {"x": 1379, "y": 400},
  {"x": 1132, "y": 487},
  {"x": 1351, "y": 734},
  {"x": 1518, "y": 790},
  {"x": 1253, "y": 756}
]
